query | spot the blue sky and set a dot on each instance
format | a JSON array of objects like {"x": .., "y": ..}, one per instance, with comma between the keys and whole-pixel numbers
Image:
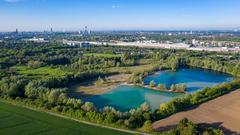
[{"x": 31, "y": 15}]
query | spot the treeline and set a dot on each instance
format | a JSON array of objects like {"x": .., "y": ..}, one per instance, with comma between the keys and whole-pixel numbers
[
  {"x": 57, "y": 54},
  {"x": 227, "y": 65},
  {"x": 186, "y": 127},
  {"x": 232, "y": 68},
  {"x": 14, "y": 86},
  {"x": 138, "y": 77},
  {"x": 95, "y": 62}
]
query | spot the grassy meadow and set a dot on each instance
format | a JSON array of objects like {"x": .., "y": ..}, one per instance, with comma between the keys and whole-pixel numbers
[{"x": 41, "y": 72}]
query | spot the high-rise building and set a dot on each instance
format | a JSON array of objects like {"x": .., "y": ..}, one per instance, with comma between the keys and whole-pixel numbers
[
  {"x": 51, "y": 30},
  {"x": 16, "y": 31},
  {"x": 194, "y": 41},
  {"x": 86, "y": 31}
]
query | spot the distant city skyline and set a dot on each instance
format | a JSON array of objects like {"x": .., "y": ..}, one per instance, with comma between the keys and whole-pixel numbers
[{"x": 74, "y": 15}]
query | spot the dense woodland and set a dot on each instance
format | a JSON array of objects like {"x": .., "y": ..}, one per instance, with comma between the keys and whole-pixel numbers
[{"x": 39, "y": 75}]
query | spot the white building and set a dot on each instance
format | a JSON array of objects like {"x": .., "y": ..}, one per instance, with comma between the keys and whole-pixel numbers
[
  {"x": 194, "y": 42},
  {"x": 82, "y": 44},
  {"x": 37, "y": 40}
]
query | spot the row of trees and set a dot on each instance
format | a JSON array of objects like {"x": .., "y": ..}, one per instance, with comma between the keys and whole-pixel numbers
[
  {"x": 229, "y": 67},
  {"x": 178, "y": 87},
  {"x": 173, "y": 88},
  {"x": 13, "y": 86},
  {"x": 186, "y": 127}
]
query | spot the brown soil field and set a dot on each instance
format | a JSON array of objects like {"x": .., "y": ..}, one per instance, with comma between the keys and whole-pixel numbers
[{"x": 222, "y": 112}]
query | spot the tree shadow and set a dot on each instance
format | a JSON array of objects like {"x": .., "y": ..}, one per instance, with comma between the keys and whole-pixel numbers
[
  {"x": 166, "y": 128},
  {"x": 79, "y": 95},
  {"x": 202, "y": 126},
  {"x": 219, "y": 126}
]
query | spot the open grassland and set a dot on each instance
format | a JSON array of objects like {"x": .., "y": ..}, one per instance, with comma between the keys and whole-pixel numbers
[
  {"x": 222, "y": 112},
  {"x": 102, "y": 55},
  {"x": 21, "y": 121},
  {"x": 42, "y": 72}
]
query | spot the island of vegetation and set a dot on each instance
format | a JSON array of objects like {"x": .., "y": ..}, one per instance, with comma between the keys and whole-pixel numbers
[{"x": 138, "y": 80}]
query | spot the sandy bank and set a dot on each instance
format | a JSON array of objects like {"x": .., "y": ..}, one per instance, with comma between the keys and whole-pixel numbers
[{"x": 89, "y": 88}]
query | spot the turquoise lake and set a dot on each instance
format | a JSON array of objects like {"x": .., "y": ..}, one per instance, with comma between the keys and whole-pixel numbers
[{"x": 128, "y": 97}]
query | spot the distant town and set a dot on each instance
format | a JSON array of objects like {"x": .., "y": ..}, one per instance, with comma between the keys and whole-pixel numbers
[{"x": 219, "y": 41}]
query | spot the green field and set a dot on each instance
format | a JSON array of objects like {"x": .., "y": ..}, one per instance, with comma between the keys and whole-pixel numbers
[
  {"x": 40, "y": 72},
  {"x": 15, "y": 120},
  {"x": 102, "y": 55}
]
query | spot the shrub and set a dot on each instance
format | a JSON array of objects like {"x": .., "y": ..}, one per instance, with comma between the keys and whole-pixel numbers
[
  {"x": 147, "y": 127},
  {"x": 152, "y": 83}
]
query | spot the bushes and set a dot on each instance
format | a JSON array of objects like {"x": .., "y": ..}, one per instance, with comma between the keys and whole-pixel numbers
[
  {"x": 178, "y": 87},
  {"x": 147, "y": 127},
  {"x": 88, "y": 106},
  {"x": 173, "y": 87},
  {"x": 162, "y": 87},
  {"x": 35, "y": 64},
  {"x": 73, "y": 103},
  {"x": 216, "y": 65},
  {"x": 152, "y": 84},
  {"x": 110, "y": 117},
  {"x": 13, "y": 86},
  {"x": 94, "y": 117},
  {"x": 136, "y": 78},
  {"x": 181, "y": 87},
  {"x": 186, "y": 127},
  {"x": 33, "y": 91}
]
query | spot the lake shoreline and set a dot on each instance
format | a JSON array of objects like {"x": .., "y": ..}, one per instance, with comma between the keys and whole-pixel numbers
[
  {"x": 127, "y": 96},
  {"x": 89, "y": 88}
]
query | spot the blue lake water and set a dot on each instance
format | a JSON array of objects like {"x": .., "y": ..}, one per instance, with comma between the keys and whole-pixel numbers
[{"x": 128, "y": 97}]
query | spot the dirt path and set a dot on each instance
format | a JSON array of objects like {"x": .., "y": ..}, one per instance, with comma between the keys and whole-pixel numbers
[{"x": 223, "y": 112}]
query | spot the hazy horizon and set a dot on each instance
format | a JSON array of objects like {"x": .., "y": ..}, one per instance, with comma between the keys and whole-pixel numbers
[
  {"x": 110, "y": 15},
  {"x": 123, "y": 30}
]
